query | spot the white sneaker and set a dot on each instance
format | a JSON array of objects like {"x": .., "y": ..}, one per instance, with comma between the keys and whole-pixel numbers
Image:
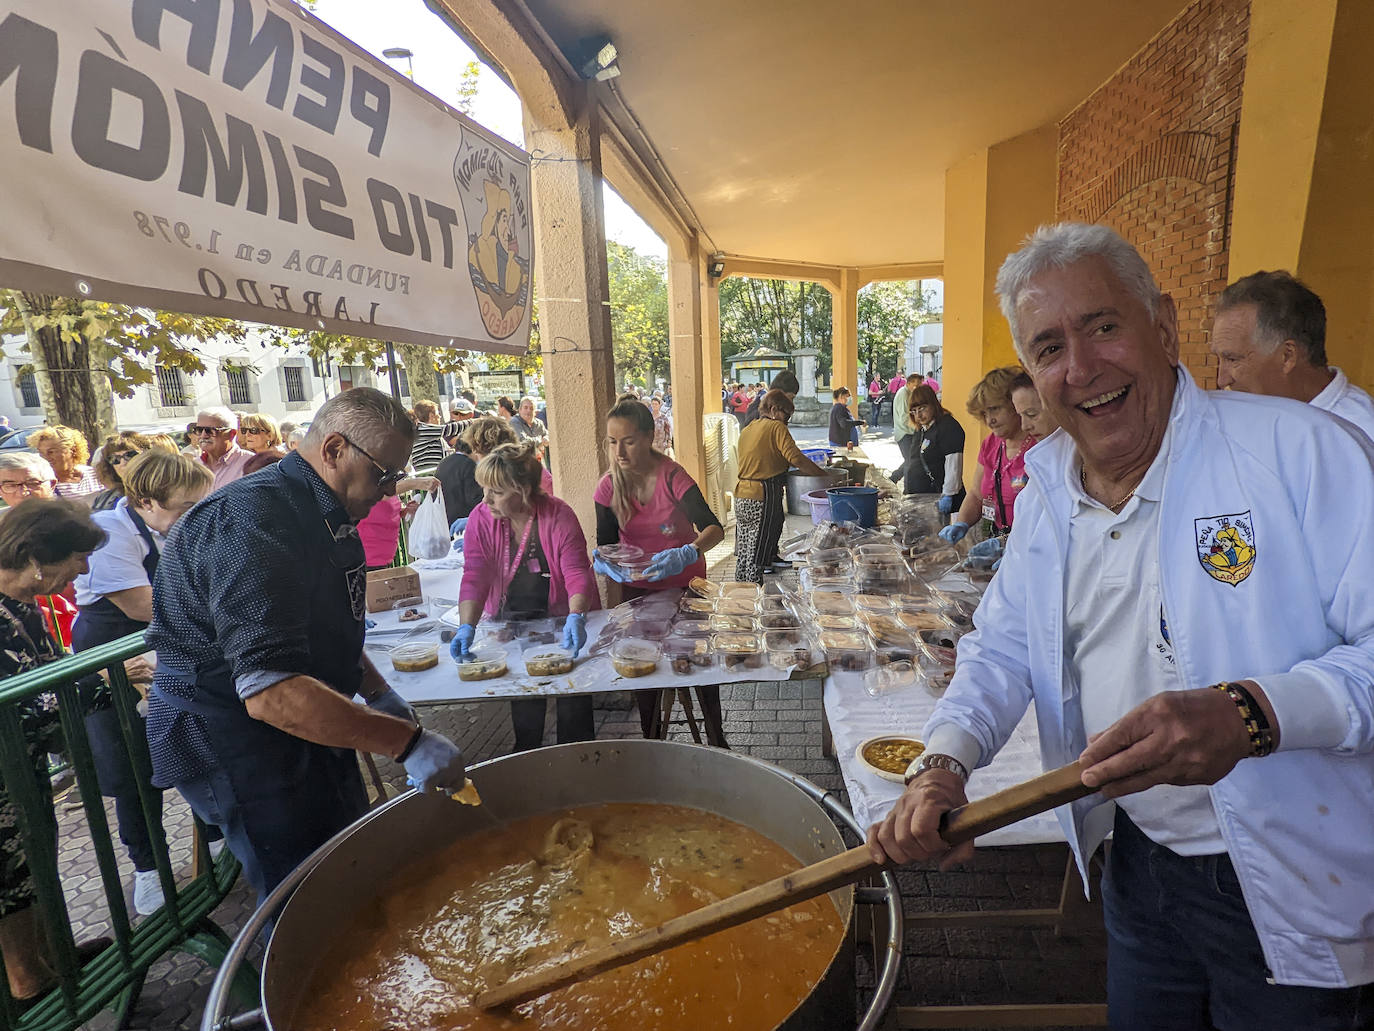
[
  {"x": 148, "y": 898},
  {"x": 216, "y": 847}
]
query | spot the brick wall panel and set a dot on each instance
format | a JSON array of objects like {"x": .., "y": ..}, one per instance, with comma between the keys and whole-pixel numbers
[{"x": 1127, "y": 159}]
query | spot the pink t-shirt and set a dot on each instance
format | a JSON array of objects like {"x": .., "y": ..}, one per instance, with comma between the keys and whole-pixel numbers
[
  {"x": 380, "y": 529},
  {"x": 662, "y": 523},
  {"x": 992, "y": 456}
]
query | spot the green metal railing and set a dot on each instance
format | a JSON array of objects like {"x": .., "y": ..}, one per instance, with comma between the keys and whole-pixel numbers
[{"x": 115, "y": 977}]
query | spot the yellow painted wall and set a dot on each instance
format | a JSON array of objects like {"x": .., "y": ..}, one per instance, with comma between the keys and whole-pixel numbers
[{"x": 992, "y": 200}]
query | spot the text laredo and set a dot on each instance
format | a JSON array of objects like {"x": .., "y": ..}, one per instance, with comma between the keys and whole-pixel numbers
[{"x": 404, "y": 221}]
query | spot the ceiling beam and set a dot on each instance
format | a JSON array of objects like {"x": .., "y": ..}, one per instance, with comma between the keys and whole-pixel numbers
[
  {"x": 767, "y": 268},
  {"x": 910, "y": 270}
]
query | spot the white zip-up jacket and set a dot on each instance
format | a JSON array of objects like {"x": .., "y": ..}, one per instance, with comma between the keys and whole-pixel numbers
[{"x": 1285, "y": 599}]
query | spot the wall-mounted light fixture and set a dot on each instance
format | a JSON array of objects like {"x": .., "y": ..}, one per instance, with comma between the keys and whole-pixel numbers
[
  {"x": 597, "y": 58},
  {"x": 715, "y": 267}
]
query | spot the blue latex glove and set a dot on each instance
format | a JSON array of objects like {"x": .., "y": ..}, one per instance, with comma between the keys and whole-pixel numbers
[
  {"x": 435, "y": 764},
  {"x": 990, "y": 548},
  {"x": 575, "y": 632},
  {"x": 946, "y": 504},
  {"x": 461, "y": 645},
  {"x": 996, "y": 565},
  {"x": 671, "y": 562},
  {"x": 393, "y": 704},
  {"x": 954, "y": 532},
  {"x": 600, "y": 565}
]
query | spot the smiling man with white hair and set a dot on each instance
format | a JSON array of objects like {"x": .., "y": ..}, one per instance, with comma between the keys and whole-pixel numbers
[
  {"x": 1185, "y": 599},
  {"x": 215, "y": 431}
]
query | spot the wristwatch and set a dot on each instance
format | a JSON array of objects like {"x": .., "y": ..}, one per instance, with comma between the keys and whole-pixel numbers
[{"x": 936, "y": 761}]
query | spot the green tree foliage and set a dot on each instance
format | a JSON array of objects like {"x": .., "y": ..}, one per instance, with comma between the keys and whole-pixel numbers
[
  {"x": 783, "y": 314},
  {"x": 85, "y": 352},
  {"x": 888, "y": 312},
  {"x": 639, "y": 315}
]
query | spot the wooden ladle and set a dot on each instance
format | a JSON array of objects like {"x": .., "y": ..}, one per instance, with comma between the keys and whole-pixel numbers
[{"x": 959, "y": 825}]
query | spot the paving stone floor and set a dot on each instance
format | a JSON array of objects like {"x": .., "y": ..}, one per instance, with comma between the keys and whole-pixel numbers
[{"x": 779, "y": 723}]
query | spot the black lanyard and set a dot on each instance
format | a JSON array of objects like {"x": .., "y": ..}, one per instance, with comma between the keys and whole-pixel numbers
[{"x": 1003, "y": 522}]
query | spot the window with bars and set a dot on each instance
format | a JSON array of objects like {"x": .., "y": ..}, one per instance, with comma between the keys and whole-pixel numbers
[
  {"x": 350, "y": 376},
  {"x": 295, "y": 382},
  {"x": 28, "y": 390},
  {"x": 321, "y": 367},
  {"x": 171, "y": 388},
  {"x": 240, "y": 391}
]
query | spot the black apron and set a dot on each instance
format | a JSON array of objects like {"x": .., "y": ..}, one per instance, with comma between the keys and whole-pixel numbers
[{"x": 100, "y": 623}]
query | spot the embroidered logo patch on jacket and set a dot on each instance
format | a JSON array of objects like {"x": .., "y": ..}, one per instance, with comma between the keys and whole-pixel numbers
[{"x": 1226, "y": 546}]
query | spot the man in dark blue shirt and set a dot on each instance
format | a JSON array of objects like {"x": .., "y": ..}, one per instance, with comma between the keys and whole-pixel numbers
[{"x": 258, "y": 609}]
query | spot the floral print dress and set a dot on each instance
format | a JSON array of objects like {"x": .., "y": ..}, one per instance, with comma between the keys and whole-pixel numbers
[{"x": 24, "y": 644}]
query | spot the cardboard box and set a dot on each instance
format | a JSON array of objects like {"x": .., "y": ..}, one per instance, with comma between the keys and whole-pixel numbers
[{"x": 385, "y": 587}]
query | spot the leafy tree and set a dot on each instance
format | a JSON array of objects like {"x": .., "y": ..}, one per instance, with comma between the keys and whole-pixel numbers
[
  {"x": 639, "y": 315},
  {"x": 85, "y": 352},
  {"x": 785, "y": 315}
]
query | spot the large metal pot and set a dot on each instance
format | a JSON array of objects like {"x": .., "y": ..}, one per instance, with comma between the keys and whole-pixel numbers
[
  {"x": 319, "y": 896},
  {"x": 798, "y": 486}
]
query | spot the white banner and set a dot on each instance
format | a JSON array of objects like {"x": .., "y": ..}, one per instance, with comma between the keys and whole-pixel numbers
[{"x": 240, "y": 158}]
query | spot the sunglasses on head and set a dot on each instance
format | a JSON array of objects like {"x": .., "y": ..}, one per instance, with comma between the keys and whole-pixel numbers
[{"x": 385, "y": 477}]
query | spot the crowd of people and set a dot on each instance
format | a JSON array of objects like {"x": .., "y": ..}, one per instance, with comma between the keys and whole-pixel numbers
[{"x": 1186, "y": 536}]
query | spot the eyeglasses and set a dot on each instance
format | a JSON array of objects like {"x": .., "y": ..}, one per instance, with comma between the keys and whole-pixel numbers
[
  {"x": 23, "y": 487},
  {"x": 385, "y": 478},
  {"x": 122, "y": 457},
  {"x": 204, "y": 430}
]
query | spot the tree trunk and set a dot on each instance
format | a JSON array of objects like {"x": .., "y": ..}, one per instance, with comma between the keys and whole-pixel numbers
[
  {"x": 71, "y": 375},
  {"x": 419, "y": 365}
]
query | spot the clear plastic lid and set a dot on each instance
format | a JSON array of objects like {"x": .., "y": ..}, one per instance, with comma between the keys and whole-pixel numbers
[
  {"x": 826, "y": 621},
  {"x": 548, "y": 662},
  {"x": 414, "y": 654},
  {"x": 648, "y": 629},
  {"x": 633, "y": 649},
  {"x": 781, "y": 619},
  {"x": 738, "y": 643},
  {"x": 692, "y": 604},
  {"x": 873, "y": 602},
  {"x": 688, "y": 656},
  {"x": 630, "y": 560},
  {"x": 725, "y": 623},
  {"x": 847, "y": 649},
  {"x": 736, "y": 606},
  {"x": 740, "y": 589},
  {"x": 893, "y": 678},
  {"x": 830, "y": 562},
  {"x": 702, "y": 587},
  {"x": 886, "y": 629},
  {"x": 831, "y": 603},
  {"x": 776, "y": 640},
  {"x": 684, "y": 627},
  {"x": 928, "y": 619}
]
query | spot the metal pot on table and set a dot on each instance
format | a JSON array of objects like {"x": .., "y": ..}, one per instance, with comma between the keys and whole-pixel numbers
[
  {"x": 799, "y": 485},
  {"x": 318, "y": 901}
]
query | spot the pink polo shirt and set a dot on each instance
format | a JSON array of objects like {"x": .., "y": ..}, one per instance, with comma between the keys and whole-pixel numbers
[
  {"x": 662, "y": 523},
  {"x": 227, "y": 468}
]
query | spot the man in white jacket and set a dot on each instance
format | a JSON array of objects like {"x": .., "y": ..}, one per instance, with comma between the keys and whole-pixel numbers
[
  {"x": 1186, "y": 598},
  {"x": 1269, "y": 337}
]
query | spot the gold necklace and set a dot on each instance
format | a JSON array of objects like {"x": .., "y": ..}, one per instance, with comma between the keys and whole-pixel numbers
[{"x": 1083, "y": 482}]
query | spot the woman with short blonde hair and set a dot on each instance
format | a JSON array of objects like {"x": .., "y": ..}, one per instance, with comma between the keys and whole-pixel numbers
[
  {"x": 66, "y": 450},
  {"x": 1001, "y": 472},
  {"x": 258, "y": 432},
  {"x": 525, "y": 557},
  {"x": 115, "y": 452}
]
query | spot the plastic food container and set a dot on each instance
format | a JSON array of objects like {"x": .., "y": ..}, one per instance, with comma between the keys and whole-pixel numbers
[
  {"x": 485, "y": 664},
  {"x": 847, "y": 649},
  {"x": 882, "y": 549},
  {"x": 702, "y": 587},
  {"x": 789, "y": 649},
  {"x": 547, "y": 661},
  {"x": 727, "y": 606},
  {"x": 685, "y": 627},
  {"x": 689, "y": 655},
  {"x": 697, "y": 606},
  {"x": 874, "y": 574},
  {"x": 931, "y": 564},
  {"x": 634, "y": 657},
  {"x": 626, "y": 559},
  {"x": 740, "y": 589},
  {"x": 414, "y": 657},
  {"x": 647, "y": 629},
  {"x": 739, "y": 651},
  {"x": 887, "y": 629},
  {"x": 831, "y": 603},
  {"x": 729, "y": 624},
  {"x": 893, "y": 678},
  {"x": 825, "y": 621},
  {"x": 873, "y": 602},
  {"x": 922, "y": 619},
  {"x": 939, "y": 647},
  {"x": 779, "y": 619},
  {"x": 836, "y": 563}
]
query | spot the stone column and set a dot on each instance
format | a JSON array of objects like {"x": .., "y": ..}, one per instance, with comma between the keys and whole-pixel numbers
[
  {"x": 711, "y": 374},
  {"x": 844, "y": 346},
  {"x": 690, "y": 387},
  {"x": 574, "y": 310},
  {"x": 806, "y": 371}
]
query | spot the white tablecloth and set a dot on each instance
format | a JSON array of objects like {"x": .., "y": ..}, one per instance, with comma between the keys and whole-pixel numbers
[
  {"x": 590, "y": 675},
  {"x": 855, "y": 717}
]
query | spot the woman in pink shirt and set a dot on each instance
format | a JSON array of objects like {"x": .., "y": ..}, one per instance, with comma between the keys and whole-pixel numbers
[
  {"x": 1001, "y": 457},
  {"x": 650, "y": 501},
  {"x": 380, "y": 529},
  {"x": 525, "y": 557}
]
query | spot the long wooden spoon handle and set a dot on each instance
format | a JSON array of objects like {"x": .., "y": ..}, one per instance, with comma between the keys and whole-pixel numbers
[{"x": 962, "y": 824}]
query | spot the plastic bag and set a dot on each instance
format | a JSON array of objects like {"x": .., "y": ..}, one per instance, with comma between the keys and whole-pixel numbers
[{"x": 429, "y": 530}]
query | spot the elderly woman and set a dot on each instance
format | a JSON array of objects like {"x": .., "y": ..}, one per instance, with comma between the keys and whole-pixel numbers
[
  {"x": 937, "y": 450},
  {"x": 766, "y": 452},
  {"x": 116, "y": 450},
  {"x": 651, "y": 502},
  {"x": 1035, "y": 417},
  {"x": 1001, "y": 457},
  {"x": 526, "y": 558},
  {"x": 115, "y": 599},
  {"x": 259, "y": 433},
  {"x": 25, "y": 475},
  {"x": 44, "y": 545},
  {"x": 66, "y": 450}
]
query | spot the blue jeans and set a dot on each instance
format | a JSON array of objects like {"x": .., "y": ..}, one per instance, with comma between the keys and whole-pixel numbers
[{"x": 1182, "y": 953}]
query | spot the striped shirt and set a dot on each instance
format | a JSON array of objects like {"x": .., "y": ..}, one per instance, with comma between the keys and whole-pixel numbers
[{"x": 428, "y": 450}]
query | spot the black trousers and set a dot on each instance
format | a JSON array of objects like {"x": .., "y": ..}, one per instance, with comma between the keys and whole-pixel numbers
[
  {"x": 573, "y": 714},
  {"x": 904, "y": 446}
]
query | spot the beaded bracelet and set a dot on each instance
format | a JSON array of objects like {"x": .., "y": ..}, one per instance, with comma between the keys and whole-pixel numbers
[{"x": 1256, "y": 722}]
